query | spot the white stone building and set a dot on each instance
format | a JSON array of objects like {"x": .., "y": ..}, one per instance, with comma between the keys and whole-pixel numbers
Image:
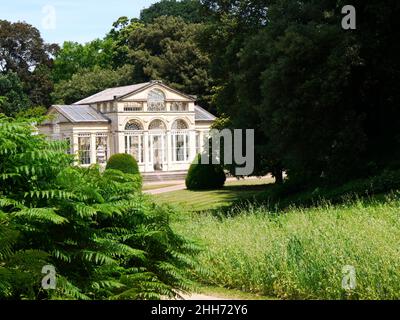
[{"x": 161, "y": 127}]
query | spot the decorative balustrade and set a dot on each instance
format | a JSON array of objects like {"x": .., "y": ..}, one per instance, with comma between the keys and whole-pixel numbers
[
  {"x": 133, "y": 106},
  {"x": 176, "y": 106}
]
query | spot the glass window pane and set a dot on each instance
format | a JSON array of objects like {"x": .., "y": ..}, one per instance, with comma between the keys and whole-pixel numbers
[
  {"x": 101, "y": 150},
  {"x": 134, "y": 147},
  {"x": 179, "y": 153},
  {"x": 84, "y": 150}
]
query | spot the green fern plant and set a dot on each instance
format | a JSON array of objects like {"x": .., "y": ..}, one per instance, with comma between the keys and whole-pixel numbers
[{"x": 105, "y": 240}]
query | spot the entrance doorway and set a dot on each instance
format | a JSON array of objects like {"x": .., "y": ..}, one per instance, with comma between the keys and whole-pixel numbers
[{"x": 157, "y": 147}]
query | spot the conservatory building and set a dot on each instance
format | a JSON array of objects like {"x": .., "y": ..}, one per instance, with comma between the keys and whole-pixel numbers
[{"x": 159, "y": 126}]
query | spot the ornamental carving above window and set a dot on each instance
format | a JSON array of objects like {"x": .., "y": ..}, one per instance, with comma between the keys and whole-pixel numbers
[
  {"x": 180, "y": 125},
  {"x": 157, "y": 125},
  {"x": 133, "y": 125},
  {"x": 156, "y": 101}
]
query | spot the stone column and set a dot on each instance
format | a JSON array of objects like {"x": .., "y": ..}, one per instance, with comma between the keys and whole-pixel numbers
[
  {"x": 169, "y": 151},
  {"x": 146, "y": 151},
  {"x": 201, "y": 141},
  {"x": 75, "y": 147},
  {"x": 93, "y": 151},
  {"x": 192, "y": 145},
  {"x": 120, "y": 142}
]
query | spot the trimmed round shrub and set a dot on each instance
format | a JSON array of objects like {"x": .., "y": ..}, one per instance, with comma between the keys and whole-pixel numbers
[
  {"x": 123, "y": 162},
  {"x": 205, "y": 176}
]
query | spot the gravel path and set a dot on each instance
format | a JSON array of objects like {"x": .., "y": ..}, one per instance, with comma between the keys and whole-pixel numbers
[
  {"x": 167, "y": 189},
  {"x": 202, "y": 297}
]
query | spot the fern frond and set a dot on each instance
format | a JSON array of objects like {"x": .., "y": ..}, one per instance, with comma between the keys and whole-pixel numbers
[
  {"x": 61, "y": 255},
  {"x": 66, "y": 289},
  {"x": 84, "y": 210},
  {"x": 97, "y": 257},
  {"x": 50, "y": 194},
  {"x": 7, "y": 202},
  {"x": 116, "y": 249},
  {"x": 6, "y": 176},
  {"x": 108, "y": 284},
  {"x": 41, "y": 214}
]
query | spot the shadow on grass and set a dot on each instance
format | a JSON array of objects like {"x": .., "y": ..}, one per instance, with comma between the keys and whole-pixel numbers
[{"x": 261, "y": 198}]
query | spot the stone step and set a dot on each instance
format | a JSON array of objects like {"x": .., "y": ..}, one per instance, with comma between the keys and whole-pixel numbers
[{"x": 164, "y": 176}]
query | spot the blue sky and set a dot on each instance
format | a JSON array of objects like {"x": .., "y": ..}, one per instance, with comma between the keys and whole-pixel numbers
[{"x": 71, "y": 20}]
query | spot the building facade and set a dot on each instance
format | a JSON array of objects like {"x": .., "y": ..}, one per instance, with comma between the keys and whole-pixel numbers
[{"x": 162, "y": 128}]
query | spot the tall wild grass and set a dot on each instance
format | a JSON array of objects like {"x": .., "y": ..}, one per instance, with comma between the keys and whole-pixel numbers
[{"x": 300, "y": 254}]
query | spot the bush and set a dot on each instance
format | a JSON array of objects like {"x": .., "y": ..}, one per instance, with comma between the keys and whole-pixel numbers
[
  {"x": 123, "y": 162},
  {"x": 205, "y": 176},
  {"x": 104, "y": 241}
]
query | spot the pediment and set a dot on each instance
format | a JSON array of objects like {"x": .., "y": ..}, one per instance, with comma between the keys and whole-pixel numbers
[{"x": 170, "y": 94}]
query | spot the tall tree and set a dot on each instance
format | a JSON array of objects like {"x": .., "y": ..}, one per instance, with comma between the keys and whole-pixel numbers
[
  {"x": 167, "y": 49},
  {"x": 22, "y": 50},
  {"x": 323, "y": 99},
  {"x": 188, "y": 10},
  {"x": 14, "y": 98},
  {"x": 87, "y": 82},
  {"x": 73, "y": 57}
]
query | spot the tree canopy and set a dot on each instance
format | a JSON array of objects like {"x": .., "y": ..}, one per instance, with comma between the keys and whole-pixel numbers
[
  {"x": 188, "y": 10},
  {"x": 23, "y": 51},
  {"x": 87, "y": 82},
  {"x": 323, "y": 100},
  {"x": 14, "y": 98}
]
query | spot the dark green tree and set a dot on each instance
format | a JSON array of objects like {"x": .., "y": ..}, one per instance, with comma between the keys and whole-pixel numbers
[
  {"x": 15, "y": 99},
  {"x": 323, "y": 100},
  {"x": 189, "y": 10},
  {"x": 23, "y": 51},
  {"x": 87, "y": 82},
  {"x": 167, "y": 50},
  {"x": 119, "y": 36},
  {"x": 73, "y": 57}
]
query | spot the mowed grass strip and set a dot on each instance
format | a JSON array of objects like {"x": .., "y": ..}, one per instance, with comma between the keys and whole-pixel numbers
[
  {"x": 158, "y": 186},
  {"x": 213, "y": 199}
]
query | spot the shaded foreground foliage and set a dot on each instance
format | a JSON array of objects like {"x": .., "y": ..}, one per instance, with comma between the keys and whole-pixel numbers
[{"x": 106, "y": 240}]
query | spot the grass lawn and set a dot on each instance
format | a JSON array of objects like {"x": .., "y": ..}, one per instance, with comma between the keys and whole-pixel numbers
[
  {"x": 157, "y": 186},
  {"x": 214, "y": 199}
]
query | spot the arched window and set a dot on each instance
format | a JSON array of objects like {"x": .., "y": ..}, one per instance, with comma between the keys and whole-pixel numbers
[
  {"x": 133, "y": 125},
  {"x": 180, "y": 125},
  {"x": 180, "y": 141},
  {"x": 157, "y": 125},
  {"x": 156, "y": 100},
  {"x": 134, "y": 140}
]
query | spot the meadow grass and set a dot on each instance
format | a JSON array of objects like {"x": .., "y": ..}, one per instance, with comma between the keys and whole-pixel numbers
[
  {"x": 300, "y": 254},
  {"x": 233, "y": 191}
]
